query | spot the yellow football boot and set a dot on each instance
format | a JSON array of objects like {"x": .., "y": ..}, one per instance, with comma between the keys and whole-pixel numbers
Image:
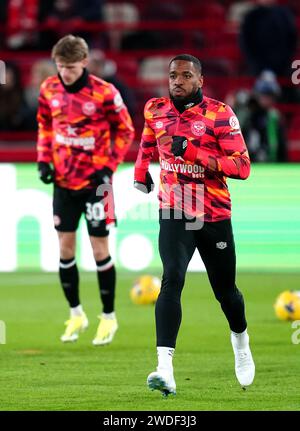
[
  {"x": 74, "y": 325},
  {"x": 106, "y": 331}
]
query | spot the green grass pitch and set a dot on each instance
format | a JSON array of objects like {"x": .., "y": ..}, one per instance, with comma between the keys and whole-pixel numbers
[{"x": 38, "y": 372}]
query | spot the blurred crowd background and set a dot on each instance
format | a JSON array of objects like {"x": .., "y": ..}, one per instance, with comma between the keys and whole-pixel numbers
[{"x": 247, "y": 49}]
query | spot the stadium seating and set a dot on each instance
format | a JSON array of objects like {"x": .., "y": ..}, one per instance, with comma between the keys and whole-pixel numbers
[{"x": 199, "y": 28}]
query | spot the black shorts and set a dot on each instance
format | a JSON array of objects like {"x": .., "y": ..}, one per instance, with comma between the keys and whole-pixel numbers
[{"x": 69, "y": 205}]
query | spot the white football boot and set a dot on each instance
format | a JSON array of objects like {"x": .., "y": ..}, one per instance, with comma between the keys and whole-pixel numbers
[
  {"x": 163, "y": 380},
  {"x": 244, "y": 364}
]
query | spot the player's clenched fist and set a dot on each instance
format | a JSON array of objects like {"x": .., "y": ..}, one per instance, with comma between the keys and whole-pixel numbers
[
  {"x": 103, "y": 176},
  {"x": 179, "y": 145},
  {"x": 46, "y": 173}
]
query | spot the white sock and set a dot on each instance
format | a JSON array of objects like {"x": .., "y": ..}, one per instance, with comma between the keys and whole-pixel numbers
[
  {"x": 111, "y": 315},
  {"x": 165, "y": 357},
  {"x": 76, "y": 311},
  {"x": 240, "y": 340}
]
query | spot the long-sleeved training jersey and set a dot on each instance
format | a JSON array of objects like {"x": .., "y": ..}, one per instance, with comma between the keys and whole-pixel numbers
[
  {"x": 76, "y": 130},
  {"x": 197, "y": 187}
]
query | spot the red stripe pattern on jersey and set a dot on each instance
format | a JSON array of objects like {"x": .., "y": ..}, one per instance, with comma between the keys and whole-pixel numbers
[
  {"x": 76, "y": 130},
  {"x": 216, "y": 150}
]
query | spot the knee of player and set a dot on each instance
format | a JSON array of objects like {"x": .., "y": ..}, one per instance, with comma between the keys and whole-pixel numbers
[
  {"x": 173, "y": 277},
  {"x": 100, "y": 255},
  {"x": 67, "y": 244},
  {"x": 67, "y": 251},
  {"x": 226, "y": 296}
]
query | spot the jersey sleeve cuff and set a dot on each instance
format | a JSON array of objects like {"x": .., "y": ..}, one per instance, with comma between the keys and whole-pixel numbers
[
  {"x": 43, "y": 158},
  {"x": 140, "y": 175}
]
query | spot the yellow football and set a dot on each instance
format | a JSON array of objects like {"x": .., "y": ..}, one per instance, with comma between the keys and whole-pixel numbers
[
  {"x": 145, "y": 290},
  {"x": 287, "y": 305}
]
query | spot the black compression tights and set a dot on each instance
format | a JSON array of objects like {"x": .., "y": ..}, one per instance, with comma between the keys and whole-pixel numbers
[{"x": 215, "y": 244}]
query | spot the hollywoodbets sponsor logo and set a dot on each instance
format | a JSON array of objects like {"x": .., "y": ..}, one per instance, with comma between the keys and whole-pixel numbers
[{"x": 196, "y": 171}]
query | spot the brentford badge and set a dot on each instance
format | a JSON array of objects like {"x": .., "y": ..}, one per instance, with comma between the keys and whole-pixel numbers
[
  {"x": 56, "y": 220},
  {"x": 159, "y": 124},
  {"x": 89, "y": 108},
  {"x": 198, "y": 128}
]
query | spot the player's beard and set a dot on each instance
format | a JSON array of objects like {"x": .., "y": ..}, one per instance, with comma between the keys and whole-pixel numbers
[
  {"x": 183, "y": 103},
  {"x": 185, "y": 99}
]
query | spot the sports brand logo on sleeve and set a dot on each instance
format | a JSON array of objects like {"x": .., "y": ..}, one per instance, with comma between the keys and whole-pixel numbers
[
  {"x": 118, "y": 101},
  {"x": 55, "y": 103},
  {"x": 234, "y": 122}
]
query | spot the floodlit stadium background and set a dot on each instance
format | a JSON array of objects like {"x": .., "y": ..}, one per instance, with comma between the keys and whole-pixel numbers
[
  {"x": 266, "y": 220},
  {"x": 38, "y": 372},
  {"x": 137, "y": 40}
]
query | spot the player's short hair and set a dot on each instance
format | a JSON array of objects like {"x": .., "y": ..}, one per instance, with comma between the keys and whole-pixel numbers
[
  {"x": 187, "y": 57},
  {"x": 70, "y": 49}
]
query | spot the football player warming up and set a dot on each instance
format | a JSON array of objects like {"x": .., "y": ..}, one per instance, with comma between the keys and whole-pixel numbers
[
  {"x": 199, "y": 142},
  {"x": 84, "y": 133}
]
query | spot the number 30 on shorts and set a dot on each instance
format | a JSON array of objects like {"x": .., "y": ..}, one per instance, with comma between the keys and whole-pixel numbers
[{"x": 94, "y": 211}]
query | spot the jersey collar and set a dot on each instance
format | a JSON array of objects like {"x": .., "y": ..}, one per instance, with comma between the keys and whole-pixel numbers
[
  {"x": 78, "y": 85},
  {"x": 188, "y": 103}
]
